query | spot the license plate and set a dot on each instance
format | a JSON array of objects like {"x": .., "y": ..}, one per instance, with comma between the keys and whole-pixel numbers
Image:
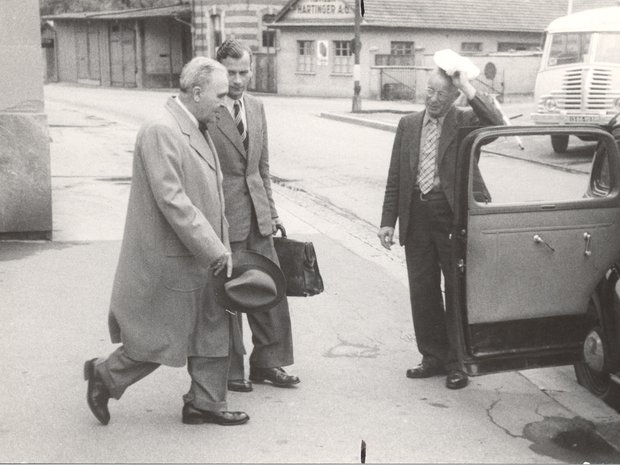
[{"x": 582, "y": 119}]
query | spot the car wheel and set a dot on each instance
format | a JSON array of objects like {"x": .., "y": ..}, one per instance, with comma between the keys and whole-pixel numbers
[
  {"x": 559, "y": 143},
  {"x": 591, "y": 374}
]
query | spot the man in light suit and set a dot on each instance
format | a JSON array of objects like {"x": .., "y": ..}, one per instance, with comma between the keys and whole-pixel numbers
[
  {"x": 239, "y": 132},
  {"x": 163, "y": 308},
  {"x": 420, "y": 193}
]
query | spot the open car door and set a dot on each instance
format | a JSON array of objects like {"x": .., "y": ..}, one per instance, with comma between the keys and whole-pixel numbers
[{"x": 530, "y": 252}]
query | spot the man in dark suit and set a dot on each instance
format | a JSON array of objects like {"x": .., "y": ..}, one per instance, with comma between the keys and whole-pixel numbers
[
  {"x": 420, "y": 193},
  {"x": 163, "y": 308},
  {"x": 239, "y": 132}
]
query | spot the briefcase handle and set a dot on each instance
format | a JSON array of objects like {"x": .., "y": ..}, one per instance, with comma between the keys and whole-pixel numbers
[{"x": 280, "y": 228}]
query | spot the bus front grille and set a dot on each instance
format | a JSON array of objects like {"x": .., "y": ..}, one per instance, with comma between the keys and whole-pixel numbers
[{"x": 588, "y": 89}]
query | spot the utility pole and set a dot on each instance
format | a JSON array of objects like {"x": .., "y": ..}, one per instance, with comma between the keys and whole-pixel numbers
[{"x": 357, "y": 45}]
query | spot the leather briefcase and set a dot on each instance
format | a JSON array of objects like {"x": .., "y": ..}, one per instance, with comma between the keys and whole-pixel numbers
[{"x": 300, "y": 267}]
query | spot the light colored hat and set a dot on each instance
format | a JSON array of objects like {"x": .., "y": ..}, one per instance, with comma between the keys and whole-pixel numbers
[{"x": 451, "y": 62}]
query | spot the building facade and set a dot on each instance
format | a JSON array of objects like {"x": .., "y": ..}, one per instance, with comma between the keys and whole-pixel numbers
[
  {"x": 127, "y": 48},
  {"x": 399, "y": 37},
  {"x": 215, "y": 21}
]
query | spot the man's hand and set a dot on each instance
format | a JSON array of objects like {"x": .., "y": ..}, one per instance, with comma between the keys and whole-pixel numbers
[
  {"x": 224, "y": 261},
  {"x": 461, "y": 82},
  {"x": 386, "y": 236},
  {"x": 277, "y": 224}
]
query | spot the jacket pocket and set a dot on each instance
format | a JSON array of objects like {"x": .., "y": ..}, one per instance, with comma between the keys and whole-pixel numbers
[{"x": 181, "y": 270}]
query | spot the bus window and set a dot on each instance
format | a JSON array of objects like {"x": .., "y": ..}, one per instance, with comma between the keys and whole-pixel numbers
[
  {"x": 608, "y": 50},
  {"x": 568, "y": 48}
]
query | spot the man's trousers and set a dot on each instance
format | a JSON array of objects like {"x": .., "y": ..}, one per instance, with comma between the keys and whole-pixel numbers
[
  {"x": 208, "y": 374},
  {"x": 271, "y": 330},
  {"x": 428, "y": 253}
]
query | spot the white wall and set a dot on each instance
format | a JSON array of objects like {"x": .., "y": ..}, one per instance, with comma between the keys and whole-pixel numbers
[{"x": 375, "y": 41}]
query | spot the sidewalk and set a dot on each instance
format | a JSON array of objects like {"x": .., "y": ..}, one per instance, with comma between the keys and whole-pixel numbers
[{"x": 353, "y": 343}]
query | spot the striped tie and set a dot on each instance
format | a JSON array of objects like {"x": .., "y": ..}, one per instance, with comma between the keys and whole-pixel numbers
[
  {"x": 426, "y": 170},
  {"x": 240, "y": 126}
]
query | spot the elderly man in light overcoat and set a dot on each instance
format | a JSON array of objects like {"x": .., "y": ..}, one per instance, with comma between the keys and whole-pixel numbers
[{"x": 163, "y": 309}]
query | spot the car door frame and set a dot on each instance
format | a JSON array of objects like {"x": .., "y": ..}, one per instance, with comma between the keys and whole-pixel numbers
[{"x": 504, "y": 359}]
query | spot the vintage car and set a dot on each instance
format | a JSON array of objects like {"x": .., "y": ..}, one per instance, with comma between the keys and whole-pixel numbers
[{"x": 537, "y": 263}]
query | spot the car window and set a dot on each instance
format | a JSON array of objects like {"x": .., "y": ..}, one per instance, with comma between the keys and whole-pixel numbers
[{"x": 517, "y": 170}]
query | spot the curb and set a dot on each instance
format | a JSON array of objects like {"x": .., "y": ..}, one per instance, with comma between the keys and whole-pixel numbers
[{"x": 360, "y": 121}]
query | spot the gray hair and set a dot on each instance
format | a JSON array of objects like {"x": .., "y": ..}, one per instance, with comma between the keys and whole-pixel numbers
[{"x": 197, "y": 72}]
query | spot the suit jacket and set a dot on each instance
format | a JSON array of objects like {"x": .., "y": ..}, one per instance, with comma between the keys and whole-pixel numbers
[
  {"x": 403, "y": 169},
  {"x": 162, "y": 303},
  {"x": 246, "y": 175}
]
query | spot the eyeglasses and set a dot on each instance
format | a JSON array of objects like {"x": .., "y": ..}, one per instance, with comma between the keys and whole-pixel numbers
[{"x": 441, "y": 95}]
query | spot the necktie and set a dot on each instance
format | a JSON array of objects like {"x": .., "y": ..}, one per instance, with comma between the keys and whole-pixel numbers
[
  {"x": 426, "y": 169},
  {"x": 240, "y": 126}
]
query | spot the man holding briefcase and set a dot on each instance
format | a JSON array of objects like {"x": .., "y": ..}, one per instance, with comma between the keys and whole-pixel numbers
[{"x": 239, "y": 133}]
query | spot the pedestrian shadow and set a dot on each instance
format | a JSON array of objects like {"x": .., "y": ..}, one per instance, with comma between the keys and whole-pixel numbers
[{"x": 16, "y": 250}]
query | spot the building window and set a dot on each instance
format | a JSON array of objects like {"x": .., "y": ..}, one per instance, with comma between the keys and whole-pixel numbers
[
  {"x": 216, "y": 27},
  {"x": 343, "y": 57},
  {"x": 401, "y": 48},
  {"x": 516, "y": 46},
  {"x": 306, "y": 56},
  {"x": 269, "y": 35},
  {"x": 471, "y": 47}
]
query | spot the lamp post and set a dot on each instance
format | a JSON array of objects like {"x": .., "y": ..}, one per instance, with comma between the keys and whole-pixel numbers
[{"x": 357, "y": 45}]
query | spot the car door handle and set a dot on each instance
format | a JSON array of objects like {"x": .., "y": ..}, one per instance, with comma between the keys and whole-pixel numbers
[
  {"x": 539, "y": 240},
  {"x": 587, "y": 238}
]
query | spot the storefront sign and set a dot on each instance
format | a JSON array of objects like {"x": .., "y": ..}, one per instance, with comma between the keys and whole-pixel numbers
[{"x": 321, "y": 9}]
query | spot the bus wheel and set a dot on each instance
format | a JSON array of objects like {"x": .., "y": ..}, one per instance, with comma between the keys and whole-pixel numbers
[
  {"x": 591, "y": 375},
  {"x": 559, "y": 143}
]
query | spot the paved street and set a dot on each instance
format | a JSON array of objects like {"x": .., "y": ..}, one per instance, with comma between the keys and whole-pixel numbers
[{"x": 353, "y": 342}]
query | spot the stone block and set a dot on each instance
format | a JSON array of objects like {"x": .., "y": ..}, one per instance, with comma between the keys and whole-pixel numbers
[{"x": 25, "y": 179}]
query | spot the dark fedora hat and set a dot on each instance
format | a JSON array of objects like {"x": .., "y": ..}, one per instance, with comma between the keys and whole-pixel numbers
[{"x": 257, "y": 284}]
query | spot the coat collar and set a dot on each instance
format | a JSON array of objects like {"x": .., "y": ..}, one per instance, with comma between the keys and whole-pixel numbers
[
  {"x": 225, "y": 123},
  {"x": 195, "y": 138}
]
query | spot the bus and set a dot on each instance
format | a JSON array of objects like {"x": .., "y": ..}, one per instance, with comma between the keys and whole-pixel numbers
[{"x": 579, "y": 77}]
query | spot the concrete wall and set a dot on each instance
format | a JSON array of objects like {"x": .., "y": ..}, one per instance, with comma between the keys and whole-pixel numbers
[
  {"x": 25, "y": 183},
  {"x": 323, "y": 82},
  {"x": 376, "y": 41}
]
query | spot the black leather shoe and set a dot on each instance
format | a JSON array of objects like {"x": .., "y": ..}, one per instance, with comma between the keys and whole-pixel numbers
[
  {"x": 425, "y": 371},
  {"x": 276, "y": 376},
  {"x": 195, "y": 416},
  {"x": 97, "y": 394},
  {"x": 239, "y": 385},
  {"x": 456, "y": 379}
]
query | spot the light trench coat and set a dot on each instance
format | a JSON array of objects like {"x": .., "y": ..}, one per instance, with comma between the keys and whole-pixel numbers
[{"x": 162, "y": 307}]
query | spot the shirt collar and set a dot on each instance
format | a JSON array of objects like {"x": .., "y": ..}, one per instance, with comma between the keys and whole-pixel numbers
[
  {"x": 230, "y": 103},
  {"x": 191, "y": 117},
  {"x": 428, "y": 117}
]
